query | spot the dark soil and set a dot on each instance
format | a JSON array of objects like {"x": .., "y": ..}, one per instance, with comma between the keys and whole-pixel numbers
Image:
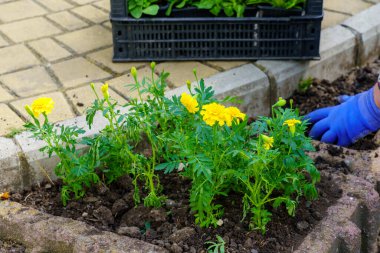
[
  {"x": 323, "y": 93},
  {"x": 11, "y": 247},
  {"x": 172, "y": 226}
]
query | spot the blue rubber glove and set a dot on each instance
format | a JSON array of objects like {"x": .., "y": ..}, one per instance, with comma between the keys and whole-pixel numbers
[{"x": 343, "y": 124}]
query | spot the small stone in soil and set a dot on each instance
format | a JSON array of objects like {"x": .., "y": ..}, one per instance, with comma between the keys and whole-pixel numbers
[
  {"x": 158, "y": 216},
  {"x": 317, "y": 215},
  {"x": 254, "y": 251},
  {"x": 135, "y": 216},
  {"x": 192, "y": 250},
  {"x": 104, "y": 215},
  {"x": 90, "y": 200},
  {"x": 118, "y": 206},
  {"x": 248, "y": 243},
  {"x": 182, "y": 234},
  {"x": 130, "y": 231},
  {"x": 170, "y": 203},
  {"x": 175, "y": 248},
  {"x": 302, "y": 225}
]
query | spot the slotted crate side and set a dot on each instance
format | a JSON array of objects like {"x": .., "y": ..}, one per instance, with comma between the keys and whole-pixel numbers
[
  {"x": 314, "y": 7},
  {"x": 216, "y": 40},
  {"x": 118, "y": 8}
]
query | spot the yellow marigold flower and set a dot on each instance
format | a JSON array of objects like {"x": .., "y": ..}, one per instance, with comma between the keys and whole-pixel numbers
[
  {"x": 104, "y": 89},
  {"x": 42, "y": 105},
  {"x": 213, "y": 113},
  {"x": 189, "y": 102},
  {"x": 268, "y": 141},
  {"x": 291, "y": 123},
  {"x": 4, "y": 196},
  {"x": 233, "y": 113}
]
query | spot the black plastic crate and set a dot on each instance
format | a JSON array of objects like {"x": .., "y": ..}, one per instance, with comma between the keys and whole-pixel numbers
[{"x": 192, "y": 34}]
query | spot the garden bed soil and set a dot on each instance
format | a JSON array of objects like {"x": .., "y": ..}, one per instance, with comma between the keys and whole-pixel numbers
[{"x": 172, "y": 226}]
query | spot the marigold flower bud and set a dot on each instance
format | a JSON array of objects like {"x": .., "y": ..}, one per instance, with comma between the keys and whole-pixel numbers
[
  {"x": 152, "y": 65},
  {"x": 28, "y": 109},
  {"x": 134, "y": 72},
  {"x": 188, "y": 84},
  {"x": 281, "y": 102},
  {"x": 105, "y": 92}
]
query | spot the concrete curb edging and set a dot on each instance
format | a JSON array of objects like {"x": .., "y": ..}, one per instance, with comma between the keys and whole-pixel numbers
[
  {"x": 352, "y": 225},
  {"x": 58, "y": 234}
]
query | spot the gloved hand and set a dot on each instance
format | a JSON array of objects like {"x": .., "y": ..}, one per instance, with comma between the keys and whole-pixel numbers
[{"x": 343, "y": 124}]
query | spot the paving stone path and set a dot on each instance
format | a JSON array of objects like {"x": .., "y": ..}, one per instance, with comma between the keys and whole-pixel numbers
[{"x": 55, "y": 48}]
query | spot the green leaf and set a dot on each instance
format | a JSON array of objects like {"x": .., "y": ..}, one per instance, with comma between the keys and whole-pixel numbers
[
  {"x": 216, "y": 10},
  {"x": 168, "y": 167},
  {"x": 151, "y": 10},
  {"x": 291, "y": 207},
  {"x": 136, "y": 12},
  {"x": 205, "y": 4}
]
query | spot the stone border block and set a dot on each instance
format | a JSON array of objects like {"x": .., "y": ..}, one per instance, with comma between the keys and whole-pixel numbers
[
  {"x": 10, "y": 169},
  {"x": 338, "y": 53},
  {"x": 58, "y": 234},
  {"x": 351, "y": 225},
  {"x": 247, "y": 83},
  {"x": 375, "y": 167},
  {"x": 38, "y": 166},
  {"x": 366, "y": 25}
]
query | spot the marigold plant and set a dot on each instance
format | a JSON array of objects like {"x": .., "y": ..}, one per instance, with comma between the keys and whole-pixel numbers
[{"x": 196, "y": 135}]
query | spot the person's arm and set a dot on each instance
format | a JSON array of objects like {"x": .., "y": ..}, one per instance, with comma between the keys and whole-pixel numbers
[{"x": 343, "y": 124}]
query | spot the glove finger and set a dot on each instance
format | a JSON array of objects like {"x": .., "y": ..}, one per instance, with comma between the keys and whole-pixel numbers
[
  {"x": 329, "y": 137},
  {"x": 319, "y": 129},
  {"x": 317, "y": 115},
  {"x": 344, "y": 142}
]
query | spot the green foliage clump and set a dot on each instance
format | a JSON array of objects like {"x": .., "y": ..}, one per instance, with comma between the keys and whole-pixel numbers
[
  {"x": 230, "y": 7},
  {"x": 194, "y": 135}
]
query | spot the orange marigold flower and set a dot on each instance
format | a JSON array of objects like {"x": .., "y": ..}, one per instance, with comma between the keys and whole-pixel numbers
[{"x": 4, "y": 195}]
